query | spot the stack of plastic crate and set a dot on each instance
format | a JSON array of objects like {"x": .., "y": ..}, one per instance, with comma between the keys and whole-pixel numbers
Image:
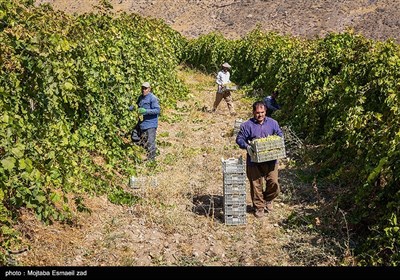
[{"x": 234, "y": 191}]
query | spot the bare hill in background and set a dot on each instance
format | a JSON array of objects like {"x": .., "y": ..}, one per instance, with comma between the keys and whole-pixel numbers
[{"x": 375, "y": 19}]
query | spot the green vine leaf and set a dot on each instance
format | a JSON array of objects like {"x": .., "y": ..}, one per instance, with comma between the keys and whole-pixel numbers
[{"x": 8, "y": 163}]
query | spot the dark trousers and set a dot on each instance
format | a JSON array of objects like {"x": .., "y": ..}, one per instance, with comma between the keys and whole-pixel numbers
[
  {"x": 258, "y": 173},
  {"x": 149, "y": 141}
]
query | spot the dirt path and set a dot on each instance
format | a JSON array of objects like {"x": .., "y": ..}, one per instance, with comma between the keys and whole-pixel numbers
[{"x": 179, "y": 218}]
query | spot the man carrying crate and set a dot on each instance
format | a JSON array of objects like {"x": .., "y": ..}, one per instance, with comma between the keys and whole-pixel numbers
[
  {"x": 260, "y": 126},
  {"x": 223, "y": 79}
]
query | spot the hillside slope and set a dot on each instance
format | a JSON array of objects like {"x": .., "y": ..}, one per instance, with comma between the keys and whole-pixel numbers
[
  {"x": 179, "y": 219},
  {"x": 379, "y": 20}
]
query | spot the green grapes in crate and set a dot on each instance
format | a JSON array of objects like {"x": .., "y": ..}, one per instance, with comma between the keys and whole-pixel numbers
[{"x": 268, "y": 148}]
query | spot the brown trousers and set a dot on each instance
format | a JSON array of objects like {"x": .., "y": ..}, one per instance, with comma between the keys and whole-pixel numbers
[
  {"x": 257, "y": 174},
  {"x": 226, "y": 95}
]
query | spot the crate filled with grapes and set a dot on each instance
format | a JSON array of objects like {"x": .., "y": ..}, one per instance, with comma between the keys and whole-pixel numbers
[
  {"x": 229, "y": 87},
  {"x": 268, "y": 148}
]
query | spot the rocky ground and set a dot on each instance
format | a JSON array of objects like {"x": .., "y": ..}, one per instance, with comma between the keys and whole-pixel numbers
[{"x": 375, "y": 19}]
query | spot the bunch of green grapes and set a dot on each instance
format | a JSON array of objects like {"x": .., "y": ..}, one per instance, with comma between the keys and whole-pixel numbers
[{"x": 268, "y": 138}]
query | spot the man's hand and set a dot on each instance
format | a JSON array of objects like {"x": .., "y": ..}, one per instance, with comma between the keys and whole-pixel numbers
[
  {"x": 142, "y": 111},
  {"x": 250, "y": 150}
]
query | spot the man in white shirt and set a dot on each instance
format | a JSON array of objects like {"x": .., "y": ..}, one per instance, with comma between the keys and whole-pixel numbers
[{"x": 223, "y": 78}]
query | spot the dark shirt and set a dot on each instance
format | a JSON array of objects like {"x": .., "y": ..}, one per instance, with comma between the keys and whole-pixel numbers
[
  {"x": 250, "y": 130},
  {"x": 271, "y": 104}
]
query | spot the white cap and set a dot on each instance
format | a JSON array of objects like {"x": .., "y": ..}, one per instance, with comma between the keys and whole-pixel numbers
[
  {"x": 146, "y": 84},
  {"x": 226, "y": 65}
]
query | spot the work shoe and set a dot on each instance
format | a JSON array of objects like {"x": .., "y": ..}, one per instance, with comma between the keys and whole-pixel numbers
[
  {"x": 259, "y": 213},
  {"x": 269, "y": 207}
]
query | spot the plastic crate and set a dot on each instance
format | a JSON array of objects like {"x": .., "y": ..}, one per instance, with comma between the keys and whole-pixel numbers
[
  {"x": 235, "y": 220},
  {"x": 236, "y": 126},
  {"x": 235, "y": 210},
  {"x": 142, "y": 182},
  {"x": 269, "y": 155},
  {"x": 268, "y": 150},
  {"x": 235, "y": 189},
  {"x": 237, "y": 198},
  {"x": 234, "y": 178},
  {"x": 229, "y": 88},
  {"x": 260, "y": 146},
  {"x": 233, "y": 165}
]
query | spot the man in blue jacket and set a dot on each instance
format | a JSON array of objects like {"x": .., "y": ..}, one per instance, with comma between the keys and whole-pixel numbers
[
  {"x": 270, "y": 102},
  {"x": 260, "y": 126},
  {"x": 149, "y": 109}
]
